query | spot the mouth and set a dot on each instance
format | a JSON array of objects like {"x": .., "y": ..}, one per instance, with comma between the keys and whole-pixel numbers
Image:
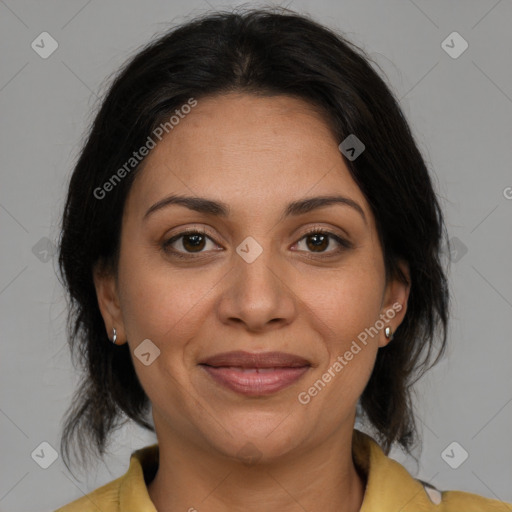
[{"x": 255, "y": 374}]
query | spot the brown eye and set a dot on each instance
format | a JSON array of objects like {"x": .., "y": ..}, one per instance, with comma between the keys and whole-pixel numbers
[
  {"x": 318, "y": 241},
  {"x": 187, "y": 242},
  {"x": 193, "y": 243}
]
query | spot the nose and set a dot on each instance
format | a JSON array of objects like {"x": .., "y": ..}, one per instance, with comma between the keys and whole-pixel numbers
[{"x": 258, "y": 295}]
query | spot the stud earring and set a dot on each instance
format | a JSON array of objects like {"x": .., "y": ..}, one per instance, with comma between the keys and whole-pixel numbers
[
  {"x": 114, "y": 335},
  {"x": 388, "y": 332}
]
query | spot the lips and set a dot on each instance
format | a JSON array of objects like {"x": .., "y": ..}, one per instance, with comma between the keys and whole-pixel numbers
[
  {"x": 243, "y": 359},
  {"x": 255, "y": 374}
]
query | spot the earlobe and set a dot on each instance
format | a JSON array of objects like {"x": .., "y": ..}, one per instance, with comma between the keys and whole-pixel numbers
[
  {"x": 395, "y": 304},
  {"x": 109, "y": 304}
]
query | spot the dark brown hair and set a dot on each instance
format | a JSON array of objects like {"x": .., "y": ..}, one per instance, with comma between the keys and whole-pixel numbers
[{"x": 268, "y": 52}]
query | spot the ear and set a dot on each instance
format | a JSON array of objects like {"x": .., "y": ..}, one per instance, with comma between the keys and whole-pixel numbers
[
  {"x": 394, "y": 304},
  {"x": 108, "y": 302}
]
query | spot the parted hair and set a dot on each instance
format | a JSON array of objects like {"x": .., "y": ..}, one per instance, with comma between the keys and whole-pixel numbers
[{"x": 266, "y": 52}]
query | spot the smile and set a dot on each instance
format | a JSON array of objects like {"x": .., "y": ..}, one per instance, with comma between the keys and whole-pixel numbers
[
  {"x": 255, "y": 373},
  {"x": 255, "y": 381}
]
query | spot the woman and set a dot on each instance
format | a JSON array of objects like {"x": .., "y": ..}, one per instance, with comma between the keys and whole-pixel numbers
[{"x": 251, "y": 244}]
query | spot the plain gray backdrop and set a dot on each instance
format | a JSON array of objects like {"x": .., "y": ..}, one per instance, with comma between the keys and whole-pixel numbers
[{"x": 460, "y": 110}]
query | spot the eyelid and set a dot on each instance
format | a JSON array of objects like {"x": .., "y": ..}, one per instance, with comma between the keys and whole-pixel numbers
[
  {"x": 187, "y": 231},
  {"x": 341, "y": 240},
  {"x": 326, "y": 229}
]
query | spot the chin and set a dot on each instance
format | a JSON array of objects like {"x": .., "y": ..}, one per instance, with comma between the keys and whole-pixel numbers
[{"x": 259, "y": 437}]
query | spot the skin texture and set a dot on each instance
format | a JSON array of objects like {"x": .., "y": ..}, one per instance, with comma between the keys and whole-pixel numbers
[{"x": 256, "y": 154}]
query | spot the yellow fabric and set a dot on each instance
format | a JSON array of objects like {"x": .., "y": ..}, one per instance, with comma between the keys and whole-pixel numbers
[{"x": 389, "y": 487}]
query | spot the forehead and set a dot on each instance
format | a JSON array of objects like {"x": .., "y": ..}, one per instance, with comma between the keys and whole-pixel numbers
[{"x": 247, "y": 151}]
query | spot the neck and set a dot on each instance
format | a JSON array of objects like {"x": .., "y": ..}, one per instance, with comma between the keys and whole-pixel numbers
[{"x": 324, "y": 478}]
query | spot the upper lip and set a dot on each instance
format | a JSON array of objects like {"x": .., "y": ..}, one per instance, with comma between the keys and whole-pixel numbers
[{"x": 241, "y": 359}]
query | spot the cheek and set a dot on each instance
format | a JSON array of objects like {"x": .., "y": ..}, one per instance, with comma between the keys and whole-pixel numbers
[
  {"x": 344, "y": 316},
  {"x": 348, "y": 301},
  {"x": 152, "y": 300},
  {"x": 158, "y": 306},
  {"x": 346, "y": 310}
]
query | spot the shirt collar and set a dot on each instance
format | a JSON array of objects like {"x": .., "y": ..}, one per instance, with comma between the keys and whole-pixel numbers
[{"x": 389, "y": 485}]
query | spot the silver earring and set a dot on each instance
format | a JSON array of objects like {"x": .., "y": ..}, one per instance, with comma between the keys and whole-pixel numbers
[
  {"x": 114, "y": 335},
  {"x": 388, "y": 332}
]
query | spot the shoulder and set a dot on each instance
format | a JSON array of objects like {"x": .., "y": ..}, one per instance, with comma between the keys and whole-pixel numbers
[
  {"x": 453, "y": 501},
  {"x": 103, "y": 499},
  {"x": 390, "y": 487},
  {"x": 126, "y": 492}
]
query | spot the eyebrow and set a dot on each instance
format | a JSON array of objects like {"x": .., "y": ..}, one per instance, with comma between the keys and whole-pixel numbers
[{"x": 220, "y": 209}]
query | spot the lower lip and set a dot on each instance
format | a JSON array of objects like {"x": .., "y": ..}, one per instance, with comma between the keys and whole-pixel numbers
[{"x": 252, "y": 383}]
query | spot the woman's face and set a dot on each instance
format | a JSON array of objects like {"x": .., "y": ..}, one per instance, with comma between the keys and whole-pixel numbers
[{"x": 251, "y": 280}]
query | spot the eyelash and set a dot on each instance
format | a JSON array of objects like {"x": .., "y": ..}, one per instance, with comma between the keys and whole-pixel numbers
[{"x": 345, "y": 244}]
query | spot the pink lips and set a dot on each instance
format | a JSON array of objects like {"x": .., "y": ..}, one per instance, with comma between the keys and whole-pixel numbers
[{"x": 255, "y": 374}]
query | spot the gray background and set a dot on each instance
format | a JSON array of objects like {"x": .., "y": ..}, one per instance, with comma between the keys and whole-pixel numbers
[{"x": 461, "y": 114}]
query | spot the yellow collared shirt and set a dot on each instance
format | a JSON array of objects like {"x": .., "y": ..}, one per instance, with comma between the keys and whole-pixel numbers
[{"x": 389, "y": 487}]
